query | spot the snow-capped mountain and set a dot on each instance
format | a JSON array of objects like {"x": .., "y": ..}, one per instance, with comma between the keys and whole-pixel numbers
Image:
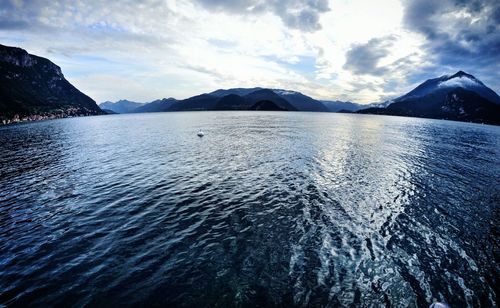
[
  {"x": 460, "y": 97},
  {"x": 447, "y": 83}
]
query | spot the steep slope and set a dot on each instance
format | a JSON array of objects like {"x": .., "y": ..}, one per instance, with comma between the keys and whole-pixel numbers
[
  {"x": 34, "y": 86},
  {"x": 459, "y": 97},
  {"x": 121, "y": 106}
]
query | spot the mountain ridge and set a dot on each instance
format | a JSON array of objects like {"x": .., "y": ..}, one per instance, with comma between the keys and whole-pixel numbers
[
  {"x": 457, "y": 80},
  {"x": 34, "y": 88},
  {"x": 459, "y": 97},
  {"x": 121, "y": 106},
  {"x": 238, "y": 99}
]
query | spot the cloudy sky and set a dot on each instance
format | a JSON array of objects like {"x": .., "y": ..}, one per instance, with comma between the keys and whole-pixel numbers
[{"x": 358, "y": 50}]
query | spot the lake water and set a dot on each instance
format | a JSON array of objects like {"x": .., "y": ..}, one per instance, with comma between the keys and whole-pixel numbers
[{"x": 269, "y": 208}]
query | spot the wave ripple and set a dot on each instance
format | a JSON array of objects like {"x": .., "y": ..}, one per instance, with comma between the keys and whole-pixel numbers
[{"x": 269, "y": 209}]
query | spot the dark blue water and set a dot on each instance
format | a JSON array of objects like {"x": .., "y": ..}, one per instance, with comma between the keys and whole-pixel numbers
[{"x": 270, "y": 209}]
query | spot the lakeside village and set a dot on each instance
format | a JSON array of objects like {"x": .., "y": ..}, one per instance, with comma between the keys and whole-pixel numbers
[{"x": 54, "y": 114}]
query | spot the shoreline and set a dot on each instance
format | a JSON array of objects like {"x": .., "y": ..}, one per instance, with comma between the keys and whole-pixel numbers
[{"x": 38, "y": 118}]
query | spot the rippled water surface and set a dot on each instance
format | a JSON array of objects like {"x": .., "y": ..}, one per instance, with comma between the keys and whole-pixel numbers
[{"x": 270, "y": 209}]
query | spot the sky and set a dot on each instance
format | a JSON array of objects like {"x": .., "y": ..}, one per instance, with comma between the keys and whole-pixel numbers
[{"x": 351, "y": 50}]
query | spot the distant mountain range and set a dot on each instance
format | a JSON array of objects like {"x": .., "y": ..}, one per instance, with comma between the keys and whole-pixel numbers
[
  {"x": 33, "y": 88},
  {"x": 339, "y": 106},
  {"x": 459, "y": 97},
  {"x": 121, "y": 106},
  {"x": 237, "y": 99}
]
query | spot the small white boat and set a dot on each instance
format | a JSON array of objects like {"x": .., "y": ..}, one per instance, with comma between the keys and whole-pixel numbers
[{"x": 200, "y": 133}]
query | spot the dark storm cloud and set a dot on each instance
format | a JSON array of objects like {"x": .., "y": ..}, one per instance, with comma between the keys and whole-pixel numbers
[
  {"x": 457, "y": 29},
  {"x": 460, "y": 34},
  {"x": 296, "y": 14},
  {"x": 363, "y": 58}
]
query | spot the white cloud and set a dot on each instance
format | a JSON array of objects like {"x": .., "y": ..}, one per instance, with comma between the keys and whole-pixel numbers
[
  {"x": 463, "y": 82},
  {"x": 151, "y": 49}
]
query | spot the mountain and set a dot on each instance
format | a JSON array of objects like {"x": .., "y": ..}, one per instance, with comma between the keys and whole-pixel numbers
[
  {"x": 121, "y": 106},
  {"x": 158, "y": 105},
  {"x": 298, "y": 100},
  {"x": 338, "y": 106},
  {"x": 34, "y": 87},
  {"x": 242, "y": 99},
  {"x": 226, "y": 100},
  {"x": 447, "y": 83},
  {"x": 459, "y": 97}
]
